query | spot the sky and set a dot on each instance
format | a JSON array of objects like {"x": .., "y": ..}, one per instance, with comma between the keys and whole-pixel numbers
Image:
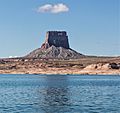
[{"x": 92, "y": 25}]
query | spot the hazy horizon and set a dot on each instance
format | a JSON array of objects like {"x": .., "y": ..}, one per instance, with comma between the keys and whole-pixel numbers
[{"x": 92, "y": 25}]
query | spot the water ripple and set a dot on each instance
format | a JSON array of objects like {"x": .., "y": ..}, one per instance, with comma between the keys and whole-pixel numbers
[{"x": 59, "y": 94}]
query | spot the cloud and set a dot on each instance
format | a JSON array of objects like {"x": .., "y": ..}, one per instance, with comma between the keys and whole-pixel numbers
[{"x": 56, "y": 8}]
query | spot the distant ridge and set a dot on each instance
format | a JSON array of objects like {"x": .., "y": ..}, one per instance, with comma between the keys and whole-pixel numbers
[{"x": 56, "y": 46}]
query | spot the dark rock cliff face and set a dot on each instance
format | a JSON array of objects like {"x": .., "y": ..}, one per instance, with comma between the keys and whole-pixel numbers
[
  {"x": 57, "y": 39},
  {"x": 56, "y": 45}
]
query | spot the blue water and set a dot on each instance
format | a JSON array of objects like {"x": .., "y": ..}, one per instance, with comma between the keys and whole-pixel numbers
[{"x": 59, "y": 94}]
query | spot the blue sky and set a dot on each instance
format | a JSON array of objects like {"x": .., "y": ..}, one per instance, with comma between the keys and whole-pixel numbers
[{"x": 92, "y": 25}]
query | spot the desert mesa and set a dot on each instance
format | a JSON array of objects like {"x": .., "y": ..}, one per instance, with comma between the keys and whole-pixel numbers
[{"x": 55, "y": 56}]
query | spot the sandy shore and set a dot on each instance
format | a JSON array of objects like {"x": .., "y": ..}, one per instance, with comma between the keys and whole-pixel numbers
[
  {"x": 61, "y": 71},
  {"x": 89, "y": 66}
]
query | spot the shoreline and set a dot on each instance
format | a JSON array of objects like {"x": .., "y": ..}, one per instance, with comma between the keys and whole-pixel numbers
[
  {"x": 66, "y": 74},
  {"x": 83, "y": 66},
  {"x": 61, "y": 73}
]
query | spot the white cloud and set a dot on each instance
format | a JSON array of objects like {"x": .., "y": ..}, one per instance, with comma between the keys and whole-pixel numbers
[{"x": 56, "y": 8}]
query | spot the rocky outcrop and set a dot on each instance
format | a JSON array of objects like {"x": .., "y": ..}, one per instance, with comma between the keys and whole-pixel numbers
[
  {"x": 114, "y": 66},
  {"x": 56, "y": 45},
  {"x": 101, "y": 66},
  {"x": 2, "y": 61}
]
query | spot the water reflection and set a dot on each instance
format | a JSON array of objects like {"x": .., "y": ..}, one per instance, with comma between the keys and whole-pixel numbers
[
  {"x": 56, "y": 95},
  {"x": 59, "y": 94}
]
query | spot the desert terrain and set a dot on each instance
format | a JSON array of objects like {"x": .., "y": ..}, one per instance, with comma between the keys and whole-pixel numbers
[{"x": 87, "y": 65}]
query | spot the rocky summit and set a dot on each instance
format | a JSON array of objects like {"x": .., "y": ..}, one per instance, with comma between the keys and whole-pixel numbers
[{"x": 56, "y": 45}]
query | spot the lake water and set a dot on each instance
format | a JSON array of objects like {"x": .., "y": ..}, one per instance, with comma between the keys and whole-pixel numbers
[{"x": 59, "y": 94}]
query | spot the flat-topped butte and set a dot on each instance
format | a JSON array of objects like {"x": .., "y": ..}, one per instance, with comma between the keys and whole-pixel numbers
[{"x": 56, "y": 46}]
